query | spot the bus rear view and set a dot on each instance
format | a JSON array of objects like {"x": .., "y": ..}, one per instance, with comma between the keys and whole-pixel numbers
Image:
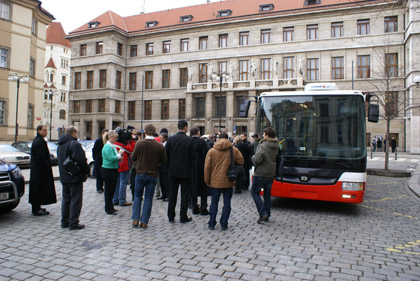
[{"x": 321, "y": 136}]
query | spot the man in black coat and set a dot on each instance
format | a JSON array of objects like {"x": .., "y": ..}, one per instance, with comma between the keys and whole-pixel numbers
[
  {"x": 180, "y": 154},
  {"x": 97, "y": 157},
  {"x": 41, "y": 183},
  {"x": 199, "y": 187},
  {"x": 72, "y": 183}
]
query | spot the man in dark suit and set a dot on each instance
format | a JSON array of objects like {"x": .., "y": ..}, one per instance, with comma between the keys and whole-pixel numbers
[
  {"x": 180, "y": 154},
  {"x": 97, "y": 157}
]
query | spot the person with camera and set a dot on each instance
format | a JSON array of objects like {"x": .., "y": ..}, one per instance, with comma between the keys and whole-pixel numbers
[
  {"x": 265, "y": 169},
  {"x": 216, "y": 167},
  {"x": 72, "y": 181}
]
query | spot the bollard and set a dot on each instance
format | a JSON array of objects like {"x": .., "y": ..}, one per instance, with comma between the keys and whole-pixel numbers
[{"x": 396, "y": 154}]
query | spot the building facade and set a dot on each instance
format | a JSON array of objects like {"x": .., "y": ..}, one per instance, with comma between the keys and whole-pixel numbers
[
  {"x": 165, "y": 66},
  {"x": 22, "y": 53},
  {"x": 57, "y": 80}
]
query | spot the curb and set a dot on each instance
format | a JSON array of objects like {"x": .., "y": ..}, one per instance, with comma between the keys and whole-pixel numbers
[{"x": 389, "y": 173}]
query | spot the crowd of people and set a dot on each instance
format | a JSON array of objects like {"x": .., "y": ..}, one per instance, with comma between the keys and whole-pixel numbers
[{"x": 153, "y": 162}]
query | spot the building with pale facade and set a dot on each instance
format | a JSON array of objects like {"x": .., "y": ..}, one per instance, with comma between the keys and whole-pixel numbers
[
  {"x": 56, "y": 78},
  {"x": 164, "y": 66},
  {"x": 22, "y": 53}
]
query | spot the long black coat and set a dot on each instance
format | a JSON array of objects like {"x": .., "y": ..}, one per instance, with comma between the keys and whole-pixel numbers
[
  {"x": 97, "y": 156},
  {"x": 199, "y": 187},
  {"x": 180, "y": 154},
  {"x": 41, "y": 183}
]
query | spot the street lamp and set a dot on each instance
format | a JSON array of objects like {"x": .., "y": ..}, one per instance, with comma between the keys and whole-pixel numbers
[
  {"x": 219, "y": 77},
  {"x": 19, "y": 78},
  {"x": 51, "y": 95}
]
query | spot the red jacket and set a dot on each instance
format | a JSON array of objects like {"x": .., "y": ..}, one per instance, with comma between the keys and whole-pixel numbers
[{"x": 125, "y": 162}]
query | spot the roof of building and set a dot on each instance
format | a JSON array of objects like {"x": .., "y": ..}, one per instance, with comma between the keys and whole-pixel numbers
[
  {"x": 51, "y": 64},
  {"x": 56, "y": 34},
  {"x": 210, "y": 12}
]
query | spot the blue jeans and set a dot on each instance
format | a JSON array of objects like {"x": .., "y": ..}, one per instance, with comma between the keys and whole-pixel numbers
[
  {"x": 215, "y": 196},
  {"x": 120, "y": 191},
  {"x": 143, "y": 181},
  {"x": 264, "y": 208}
]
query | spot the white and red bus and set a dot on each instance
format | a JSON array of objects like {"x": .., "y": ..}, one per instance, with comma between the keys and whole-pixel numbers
[{"x": 321, "y": 134}]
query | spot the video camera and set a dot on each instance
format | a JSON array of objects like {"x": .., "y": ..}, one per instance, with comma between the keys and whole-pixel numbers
[{"x": 124, "y": 135}]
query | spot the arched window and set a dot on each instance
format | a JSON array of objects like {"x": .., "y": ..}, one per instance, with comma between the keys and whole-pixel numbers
[{"x": 62, "y": 114}]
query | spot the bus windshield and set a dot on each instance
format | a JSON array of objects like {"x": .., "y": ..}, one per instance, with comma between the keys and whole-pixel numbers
[{"x": 316, "y": 126}]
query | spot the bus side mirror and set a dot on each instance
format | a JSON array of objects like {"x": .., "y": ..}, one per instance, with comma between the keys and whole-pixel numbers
[
  {"x": 244, "y": 108},
  {"x": 373, "y": 113}
]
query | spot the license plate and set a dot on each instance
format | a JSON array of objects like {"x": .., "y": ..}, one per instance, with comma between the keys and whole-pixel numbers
[{"x": 4, "y": 196}]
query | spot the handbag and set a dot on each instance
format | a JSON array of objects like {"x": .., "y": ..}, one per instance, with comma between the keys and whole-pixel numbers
[
  {"x": 69, "y": 165},
  {"x": 235, "y": 173}
]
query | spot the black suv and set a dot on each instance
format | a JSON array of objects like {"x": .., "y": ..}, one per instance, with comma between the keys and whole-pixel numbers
[{"x": 12, "y": 186}]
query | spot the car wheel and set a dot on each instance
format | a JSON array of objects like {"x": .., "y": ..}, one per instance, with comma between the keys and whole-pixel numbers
[
  {"x": 8, "y": 207},
  {"x": 91, "y": 169}
]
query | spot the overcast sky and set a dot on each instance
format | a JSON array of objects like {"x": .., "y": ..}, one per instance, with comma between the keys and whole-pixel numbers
[{"x": 74, "y": 13}]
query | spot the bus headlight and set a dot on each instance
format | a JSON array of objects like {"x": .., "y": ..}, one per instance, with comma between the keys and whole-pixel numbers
[{"x": 352, "y": 186}]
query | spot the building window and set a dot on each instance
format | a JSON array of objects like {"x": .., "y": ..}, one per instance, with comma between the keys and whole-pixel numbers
[
  {"x": 337, "y": 29},
  {"x": 243, "y": 38},
  {"x": 63, "y": 97},
  {"x": 117, "y": 106},
  {"x": 151, "y": 23},
  {"x": 183, "y": 77},
  {"x": 311, "y": 2},
  {"x": 76, "y": 106},
  {"x": 101, "y": 105},
  {"x": 77, "y": 80},
  {"x": 203, "y": 42},
  {"x": 149, "y": 80},
  {"x": 265, "y": 36},
  {"x": 88, "y": 106},
  {"x": 239, "y": 100},
  {"x": 2, "y": 113},
  {"x": 118, "y": 80},
  {"x": 93, "y": 24},
  {"x": 265, "y": 69},
  {"x": 363, "y": 27},
  {"x": 166, "y": 78},
  {"x": 185, "y": 18},
  {"x": 200, "y": 107},
  {"x": 30, "y": 116},
  {"x": 266, "y": 7},
  {"x": 181, "y": 109},
  {"x": 338, "y": 68},
  {"x": 133, "y": 51},
  {"x": 312, "y": 32},
  {"x": 62, "y": 114},
  {"x": 243, "y": 70},
  {"x": 119, "y": 49},
  {"x": 363, "y": 66},
  {"x": 313, "y": 69},
  {"x": 391, "y": 24},
  {"x": 166, "y": 47},
  {"x": 89, "y": 80},
  {"x": 202, "y": 73},
  {"x": 184, "y": 45},
  {"x": 99, "y": 47},
  {"x": 83, "y": 50},
  {"x": 147, "y": 110},
  {"x": 63, "y": 80},
  {"x": 223, "y": 67},
  {"x": 220, "y": 107},
  {"x": 392, "y": 105},
  {"x": 224, "y": 13},
  {"x": 32, "y": 67},
  {"x": 223, "y": 40},
  {"x": 288, "y": 67},
  {"x": 132, "y": 81},
  {"x": 102, "y": 78},
  {"x": 391, "y": 65},
  {"x": 132, "y": 110},
  {"x": 34, "y": 27},
  {"x": 164, "y": 110},
  {"x": 149, "y": 49},
  {"x": 4, "y": 11},
  {"x": 4, "y": 57},
  {"x": 288, "y": 34}
]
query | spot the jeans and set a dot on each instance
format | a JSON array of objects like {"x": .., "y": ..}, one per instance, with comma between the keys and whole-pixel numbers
[
  {"x": 71, "y": 204},
  {"x": 121, "y": 190},
  {"x": 215, "y": 196},
  {"x": 264, "y": 208},
  {"x": 144, "y": 185}
]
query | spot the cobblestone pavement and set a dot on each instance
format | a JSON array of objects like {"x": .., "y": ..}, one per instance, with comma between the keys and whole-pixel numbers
[{"x": 304, "y": 240}]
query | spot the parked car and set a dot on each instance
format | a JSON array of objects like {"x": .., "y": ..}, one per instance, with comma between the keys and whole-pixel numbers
[
  {"x": 89, "y": 157},
  {"x": 25, "y": 146},
  {"x": 12, "y": 186},
  {"x": 85, "y": 143},
  {"x": 11, "y": 155}
]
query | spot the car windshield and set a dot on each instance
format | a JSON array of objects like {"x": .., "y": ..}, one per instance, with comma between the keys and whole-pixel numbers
[
  {"x": 52, "y": 145},
  {"x": 7, "y": 148}
]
